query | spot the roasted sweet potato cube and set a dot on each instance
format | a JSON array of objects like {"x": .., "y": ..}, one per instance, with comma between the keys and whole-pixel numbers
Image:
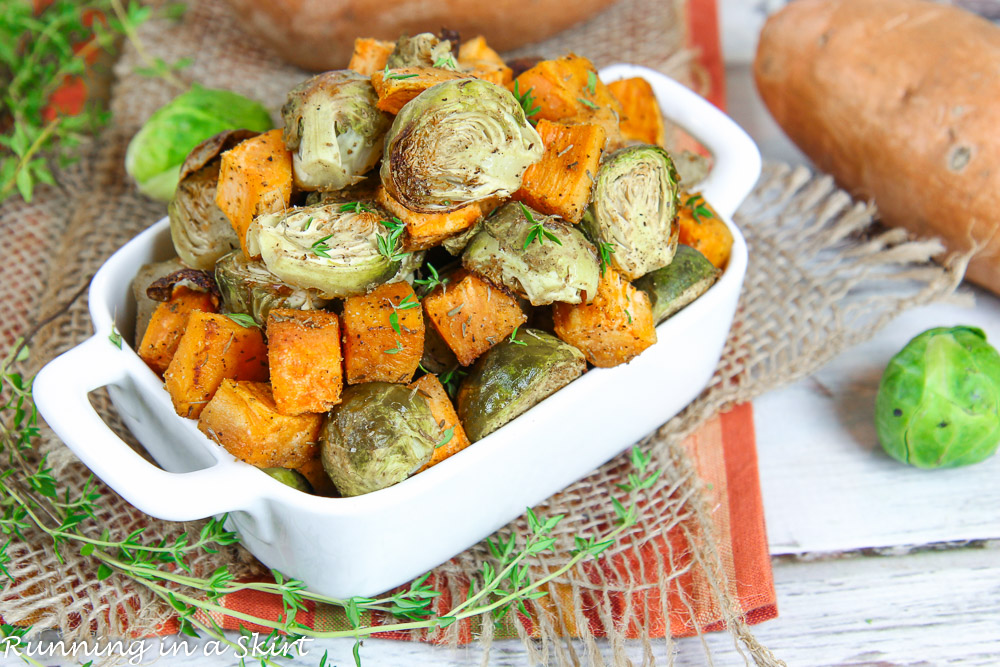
[
  {"x": 560, "y": 183},
  {"x": 568, "y": 89},
  {"x": 426, "y": 230},
  {"x": 403, "y": 84},
  {"x": 703, "y": 229},
  {"x": 255, "y": 177},
  {"x": 383, "y": 335},
  {"x": 303, "y": 350},
  {"x": 370, "y": 55},
  {"x": 471, "y": 315},
  {"x": 213, "y": 348},
  {"x": 321, "y": 483},
  {"x": 243, "y": 418},
  {"x": 642, "y": 120},
  {"x": 452, "y": 438},
  {"x": 163, "y": 335},
  {"x": 477, "y": 50},
  {"x": 614, "y": 328},
  {"x": 501, "y": 75}
]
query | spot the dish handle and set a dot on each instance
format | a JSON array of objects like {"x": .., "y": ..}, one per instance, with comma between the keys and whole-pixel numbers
[
  {"x": 60, "y": 390},
  {"x": 736, "y": 159}
]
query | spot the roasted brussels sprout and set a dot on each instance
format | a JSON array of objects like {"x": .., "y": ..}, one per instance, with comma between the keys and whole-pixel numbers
[
  {"x": 408, "y": 266},
  {"x": 338, "y": 249},
  {"x": 333, "y": 129},
  {"x": 423, "y": 50},
  {"x": 692, "y": 168},
  {"x": 457, "y": 142},
  {"x": 938, "y": 404},
  {"x": 379, "y": 435},
  {"x": 248, "y": 287},
  {"x": 634, "y": 210},
  {"x": 456, "y": 244},
  {"x": 157, "y": 151},
  {"x": 291, "y": 478},
  {"x": 144, "y": 305},
  {"x": 512, "y": 377},
  {"x": 679, "y": 283},
  {"x": 534, "y": 255},
  {"x": 201, "y": 232}
]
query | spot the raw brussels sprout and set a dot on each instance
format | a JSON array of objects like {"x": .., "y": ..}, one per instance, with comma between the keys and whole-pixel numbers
[
  {"x": 457, "y": 142},
  {"x": 201, "y": 232},
  {"x": 557, "y": 264},
  {"x": 510, "y": 378},
  {"x": 423, "y": 50},
  {"x": 679, "y": 283},
  {"x": 334, "y": 249},
  {"x": 292, "y": 478},
  {"x": 144, "y": 305},
  {"x": 333, "y": 129},
  {"x": 157, "y": 151},
  {"x": 248, "y": 287},
  {"x": 378, "y": 435},
  {"x": 634, "y": 209},
  {"x": 938, "y": 404}
]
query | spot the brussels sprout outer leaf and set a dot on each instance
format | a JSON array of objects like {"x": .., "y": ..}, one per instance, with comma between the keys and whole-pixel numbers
[
  {"x": 679, "y": 283},
  {"x": 938, "y": 403},
  {"x": 378, "y": 436},
  {"x": 248, "y": 287},
  {"x": 156, "y": 152},
  {"x": 291, "y": 478},
  {"x": 511, "y": 378}
]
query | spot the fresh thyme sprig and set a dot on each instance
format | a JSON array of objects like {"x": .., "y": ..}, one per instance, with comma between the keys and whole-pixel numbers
[
  {"x": 447, "y": 62},
  {"x": 242, "y": 319},
  {"x": 389, "y": 75},
  {"x": 31, "y": 503},
  {"x": 430, "y": 283},
  {"x": 537, "y": 230},
  {"x": 699, "y": 208},
  {"x": 527, "y": 102},
  {"x": 387, "y": 245},
  {"x": 356, "y": 207},
  {"x": 406, "y": 303},
  {"x": 605, "y": 249},
  {"x": 320, "y": 247},
  {"x": 513, "y": 336}
]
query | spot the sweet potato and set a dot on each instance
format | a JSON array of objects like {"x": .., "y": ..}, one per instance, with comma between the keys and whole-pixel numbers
[
  {"x": 567, "y": 89},
  {"x": 303, "y": 351},
  {"x": 897, "y": 100},
  {"x": 370, "y": 55},
  {"x": 452, "y": 434},
  {"x": 212, "y": 349},
  {"x": 383, "y": 335},
  {"x": 501, "y": 75},
  {"x": 642, "y": 119},
  {"x": 426, "y": 230},
  {"x": 702, "y": 229},
  {"x": 560, "y": 183},
  {"x": 477, "y": 50},
  {"x": 405, "y": 83},
  {"x": 321, "y": 483},
  {"x": 255, "y": 177},
  {"x": 243, "y": 418},
  {"x": 611, "y": 330},
  {"x": 160, "y": 340},
  {"x": 471, "y": 315}
]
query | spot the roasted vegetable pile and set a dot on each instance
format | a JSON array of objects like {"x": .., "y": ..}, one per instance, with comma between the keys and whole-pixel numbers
[{"x": 427, "y": 249}]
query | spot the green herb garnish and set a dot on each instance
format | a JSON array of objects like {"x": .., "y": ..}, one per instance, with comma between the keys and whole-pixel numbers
[
  {"x": 243, "y": 320},
  {"x": 320, "y": 248},
  {"x": 587, "y": 103},
  {"x": 115, "y": 337},
  {"x": 446, "y": 437},
  {"x": 513, "y": 336},
  {"x": 387, "y": 244},
  {"x": 537, "y": 230},
  {"x": 430, "y": 283},
  {"x": 527, "y": 102},
  {"x": 390, "y": 75},
  {"x": 356, "y": 207},
  {"x": 591, "y": 82},
  {"x": 446, "y": 61},
  {"x": 606, "y": 250},
  {"x": 699, "y": 209}
]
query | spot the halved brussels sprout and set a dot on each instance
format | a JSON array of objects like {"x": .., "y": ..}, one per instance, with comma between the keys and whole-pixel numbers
[
  {"x": 634, "y": 209},
  {"x": 457, "y": 142},
  {"x": 378, "y": 435},
  {"x": 248, "y": 287},
  {"x": 333, "y": 129},
  {"x": 679, "y": 283},
  {"x": 423, "y": 50},
  {"x": 512, "y": 377},
  {"x": 554, "y": 262},
  {"x": 339, "y": 249},
  {"x": 201, "y": 232},
  {"x": 292, "y": 478},
  {"x": 144, "y": 305},
  {"x": 408, "y": 266}
]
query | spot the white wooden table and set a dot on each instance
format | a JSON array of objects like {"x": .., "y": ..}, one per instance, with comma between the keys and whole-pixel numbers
[{"x": 875, "y": 563}]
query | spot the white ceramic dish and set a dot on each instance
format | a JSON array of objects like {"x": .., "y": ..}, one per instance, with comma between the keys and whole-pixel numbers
[{"x": 368, "y": 544}]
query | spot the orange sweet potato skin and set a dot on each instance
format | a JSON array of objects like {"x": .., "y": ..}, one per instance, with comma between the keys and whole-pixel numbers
[
  {"x": 212, "y": 349},
  {"x": 642, "y": 119},
  {"x": 373, "y": 350},
  {"x": 560, "y": 183},
  {"x": 243, "y": 418},
  {"x": 611, "y": 330},
  {"x": 370, "y": 55},
  {"x": 897, "y": 100},
  {"x": 303, "y": 351},
  {"x": 255, "y": 177},
  {"x": 163, "y": 335},
  {"x": 444, "y": 414},
  {"x": 471, "y": 315}
]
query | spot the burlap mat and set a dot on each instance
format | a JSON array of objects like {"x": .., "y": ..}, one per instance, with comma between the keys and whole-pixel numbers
[{"x": 820, "y": 278}]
